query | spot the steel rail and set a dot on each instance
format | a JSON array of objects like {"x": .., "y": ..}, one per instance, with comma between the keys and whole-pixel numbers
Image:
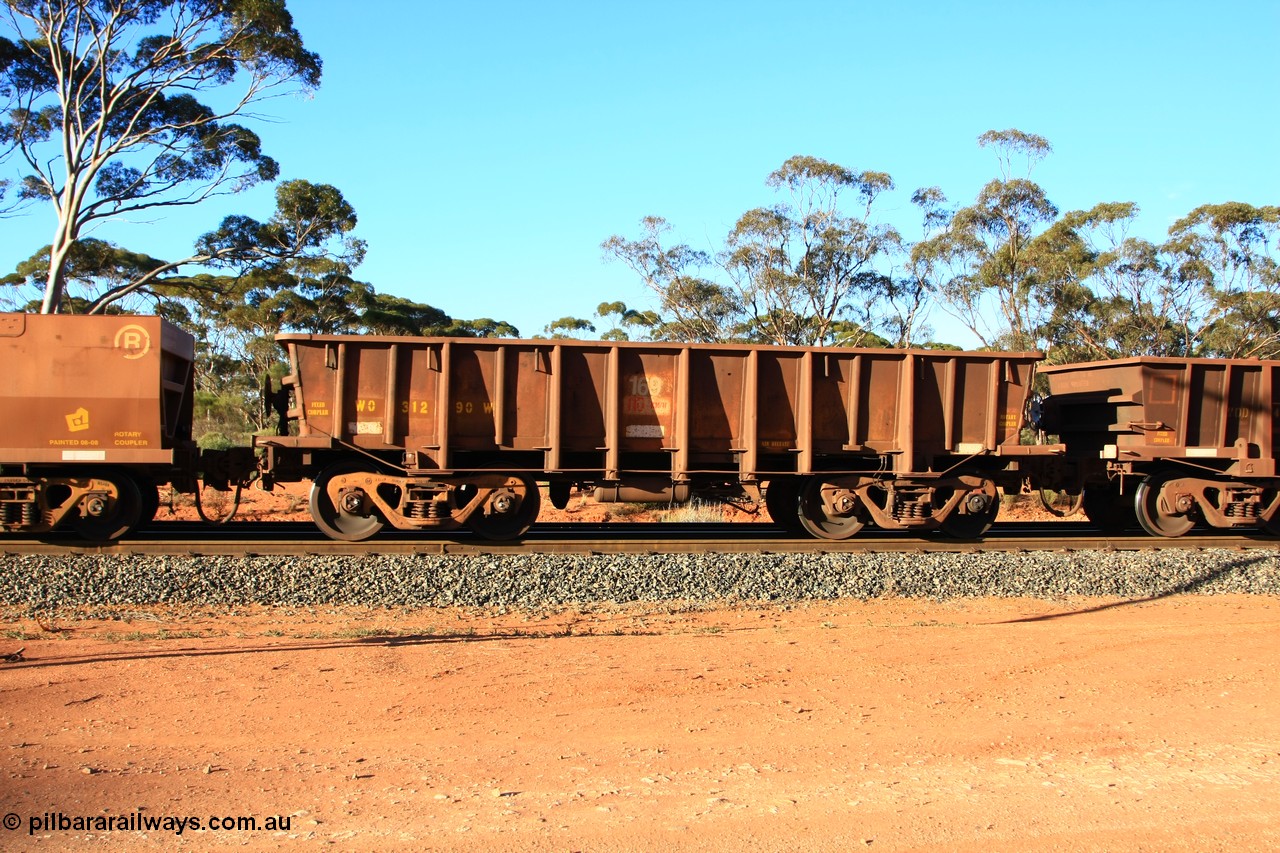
[{"x": 302, "y": 539}]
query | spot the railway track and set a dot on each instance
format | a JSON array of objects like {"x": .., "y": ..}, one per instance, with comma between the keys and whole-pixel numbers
[{"x": 303, "y": 539}]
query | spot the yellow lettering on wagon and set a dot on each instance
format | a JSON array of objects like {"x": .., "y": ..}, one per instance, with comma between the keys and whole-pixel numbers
[
  {"x": 469, "y": 407},
  {"x": 415, "y": 407},
  {"x": 130, "y": 438}
]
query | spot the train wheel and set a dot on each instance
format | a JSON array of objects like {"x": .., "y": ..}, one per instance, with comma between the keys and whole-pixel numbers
[
  {"x": 1155, "y": 515},
  {"x": 150, "y": 502},
  {"x": 349, "y": 516},
  {"x": 829, "y": 512},
  {"x": 107, "y": 518},
  {"x": 1060, "y": 504},
  {"x": 782, "y": 502},
  {"x": 982, "y": 505},
  {"x": 1271, "y": 527},
  {"x": 509, "y": 511}
]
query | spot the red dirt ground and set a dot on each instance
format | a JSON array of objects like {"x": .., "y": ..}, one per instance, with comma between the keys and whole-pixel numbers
[{"x": 885, "y": 725}]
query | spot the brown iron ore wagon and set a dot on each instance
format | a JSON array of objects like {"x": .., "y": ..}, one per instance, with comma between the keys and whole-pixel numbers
[
  {"x": 1170, "y": 442},
  {"x": 451, "y": 433},
  {"x": 424, "y": 433},
  {"x": 97, "y": 410}
]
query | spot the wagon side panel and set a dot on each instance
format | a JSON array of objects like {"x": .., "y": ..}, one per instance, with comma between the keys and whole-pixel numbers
[
  {"x": 94, "y": 389},
  {"x": 778, "y": 409},
  {"x": 717, "y": 397},
  {"x": 1213, "y": 412}
]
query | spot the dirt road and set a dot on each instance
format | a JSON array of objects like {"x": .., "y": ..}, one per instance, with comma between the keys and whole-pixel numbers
[{"x": 883, "y": 725}]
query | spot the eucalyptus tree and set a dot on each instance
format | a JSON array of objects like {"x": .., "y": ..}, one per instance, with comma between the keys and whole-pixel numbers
[
  {"x": 806, "y": 265},
  {"x": 982, "y": 256},
  {"x": 623, "y": 320},
  {"x": 306, "y": 248},
  {"x": 691, "y": 308},
  {"x": 121, "y": 107},
  {"x": 1112, "y": 294},
  {"x": 804, "y": 271},
  {"x": 911, "y": 291},
  {"x": 481, "y": 327},
  {"x": 385, "y": 314},
  {"x": 1229, "y": 254},
  {"x": 92, "y": 266},
  {"x": 569, "y": 328}
]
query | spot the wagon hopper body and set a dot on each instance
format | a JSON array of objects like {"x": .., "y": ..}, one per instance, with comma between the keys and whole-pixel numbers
[
  {"x": 442, "y": 433},
  {"x": 1172, "y": 441},
  {"x": 94, "y": 411}
]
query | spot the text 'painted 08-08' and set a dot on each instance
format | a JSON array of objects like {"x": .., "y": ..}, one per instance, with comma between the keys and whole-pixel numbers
[{"x": 461, "y": 433}]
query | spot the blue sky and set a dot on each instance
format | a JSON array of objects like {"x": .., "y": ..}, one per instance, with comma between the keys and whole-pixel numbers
[{"x": 489, "y": 148}]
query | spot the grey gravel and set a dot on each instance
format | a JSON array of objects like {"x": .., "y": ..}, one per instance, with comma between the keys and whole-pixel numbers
[{"x": 37, "y": 583}]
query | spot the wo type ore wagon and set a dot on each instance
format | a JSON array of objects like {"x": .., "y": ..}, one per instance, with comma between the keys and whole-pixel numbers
[
  {"x": 1170, "y": 442},
  {"x": 424, "y": 433},
  {"x": 96, "y": 411}
]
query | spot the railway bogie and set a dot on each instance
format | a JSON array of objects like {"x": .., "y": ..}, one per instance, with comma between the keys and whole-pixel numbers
[{"x": 353, "y": 500}]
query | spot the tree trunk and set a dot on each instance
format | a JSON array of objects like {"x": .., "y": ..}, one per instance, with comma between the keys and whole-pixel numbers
[{"x": 57, "y": 281}]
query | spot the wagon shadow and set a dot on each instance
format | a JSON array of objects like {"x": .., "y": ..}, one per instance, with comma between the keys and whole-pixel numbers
[
  {"x": 396, "y": 641},
  {"x": 1189, "y": 586}
]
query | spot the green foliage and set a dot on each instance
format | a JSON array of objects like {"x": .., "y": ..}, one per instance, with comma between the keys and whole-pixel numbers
[
  {"x": 691, "y": 308},
  {"x": 221, "y": 419},
  {"x": 483, "y": 327},
  {"x": 804, "y": 266},
  {"x": 625, "y": 321},
  {"x": 1230, "y": 251},
  {"x": 794, "y": 271},
  {"x": 1012, "y": 143},
  {"x": 986, "y": 250},
  {"x": 1012, "y": 268},
  {"x": 214, "y": 440},
  {"x": 236, "y": 350},
  {"x": 392, "y": 315},
  {"x": 845, "y": 333},
  {"x": 568, "y": 327},
  {"x": 105, "y": 115}
]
